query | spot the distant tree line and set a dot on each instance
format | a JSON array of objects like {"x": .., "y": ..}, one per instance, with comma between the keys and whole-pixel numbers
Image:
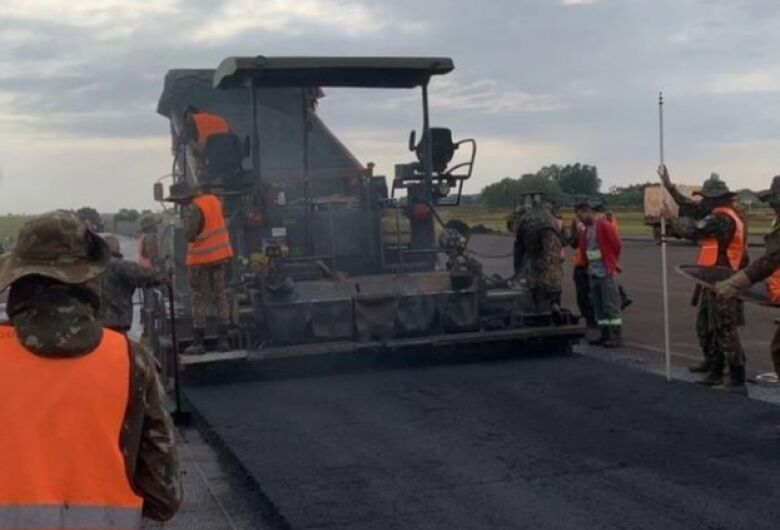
[
  {"x": 562, "y": 183},
  {"x": 566, "y": 183}
]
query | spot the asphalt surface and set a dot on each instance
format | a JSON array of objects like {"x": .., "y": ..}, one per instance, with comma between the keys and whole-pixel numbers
[
  {"x": 643, "y": 321},
  {"x": 543, "y": 442},
  {"x": 568, "y": 442}
]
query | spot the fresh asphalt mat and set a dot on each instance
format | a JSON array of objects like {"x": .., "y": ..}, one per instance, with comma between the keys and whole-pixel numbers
[{"x": 562, "y": 442}]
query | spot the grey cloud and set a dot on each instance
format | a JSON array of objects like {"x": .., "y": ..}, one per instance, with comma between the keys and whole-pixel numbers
[{"x": 592, "y": 71}]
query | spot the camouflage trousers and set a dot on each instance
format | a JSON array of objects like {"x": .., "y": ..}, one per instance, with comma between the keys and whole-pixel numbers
[
  {"x": 716, "y": 326},
  {"x": 208, "y": 287}
]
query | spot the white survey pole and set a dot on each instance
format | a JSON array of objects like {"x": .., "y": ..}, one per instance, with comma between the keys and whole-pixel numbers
[{"x": 664, "y": 268}]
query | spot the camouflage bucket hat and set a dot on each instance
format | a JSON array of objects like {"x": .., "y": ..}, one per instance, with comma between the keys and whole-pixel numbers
[
  {"x": 714, "y": 188},
  {"x": 57, "y": 246},
  {"x": 773, "y": 193}
]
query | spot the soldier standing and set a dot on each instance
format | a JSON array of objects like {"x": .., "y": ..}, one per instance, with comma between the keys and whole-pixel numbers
[
  {"x": 537, "y": 255},
  {"x": 208, "y": 253},
  {"x": 767, "y": 267},
  {"x": 117, "y": 286},
  {"x": 87, "y": 441},
  {"x": 148, "y": 243},
  {"x": 722, "y": 237}
]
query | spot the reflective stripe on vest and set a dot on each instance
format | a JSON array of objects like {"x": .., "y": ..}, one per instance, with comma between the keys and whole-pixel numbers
[
  {"x": 208, "y": 125},
  {"x": 773, "y": 287},
  {"x": 708, "y": 256},
  {"x": 60, "y": 456},
  {"x": 213, "y": 243},
  {"x": 70, "y": 517},
  {"x": 143, "y": 261}
]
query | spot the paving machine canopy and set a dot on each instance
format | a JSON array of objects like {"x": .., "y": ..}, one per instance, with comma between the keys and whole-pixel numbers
[{"x": 366, "y": 72}]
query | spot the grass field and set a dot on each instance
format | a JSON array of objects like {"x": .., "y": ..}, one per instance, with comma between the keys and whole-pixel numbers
[
  {"x": 10, "y": 225},
  {"x": 632, "y": 223}
]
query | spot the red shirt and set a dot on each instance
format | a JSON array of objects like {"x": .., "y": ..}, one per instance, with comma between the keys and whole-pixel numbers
[{"x": 609, "y": 244}]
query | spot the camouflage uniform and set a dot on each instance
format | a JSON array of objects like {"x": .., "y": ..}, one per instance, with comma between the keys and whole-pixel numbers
[
  {"x": 208, "y": 285},
  {"x": 117, "y": 286},
  {"x": 52, "y": 306},
  {"x": 537, "y": 256},
  {"x": 763, "y": 267},
  {"x": 149, "y": 245},
  {"x": 718, "y": 318}
]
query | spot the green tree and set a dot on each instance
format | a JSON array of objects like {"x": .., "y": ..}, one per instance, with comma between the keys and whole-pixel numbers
[
  {"x": 576, "y": 179},
  {"x": 632, "y": 196},
  {"x": 509, "y": 192},
  {"x": 129, "y": 215},
  {"x": 91, "y": 217}
]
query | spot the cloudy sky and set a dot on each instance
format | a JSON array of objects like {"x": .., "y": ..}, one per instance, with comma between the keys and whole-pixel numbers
[{"x": 536, "y": 82}]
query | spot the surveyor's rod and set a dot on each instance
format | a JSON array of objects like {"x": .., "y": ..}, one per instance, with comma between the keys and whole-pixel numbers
[{"x": 664, "y": 266}]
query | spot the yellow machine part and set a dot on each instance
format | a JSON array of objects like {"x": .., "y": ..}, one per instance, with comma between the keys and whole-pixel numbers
[{"x": 392, "y": 232}]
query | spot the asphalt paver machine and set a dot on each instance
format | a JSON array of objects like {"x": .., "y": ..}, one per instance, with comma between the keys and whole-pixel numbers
[{"x": 330, "y": 257}]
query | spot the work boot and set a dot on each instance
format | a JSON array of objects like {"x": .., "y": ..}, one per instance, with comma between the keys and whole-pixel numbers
[
  {"x": 736, "y": 383},
  {"x": 701, "y": 368},
  {"x": 601, "y": 339},
  {"x": 198, "y": 347},
  {"x": 614, "y": 339},
  {"x": 714, "y": 377},
  {"x": 223, "y": 345}
]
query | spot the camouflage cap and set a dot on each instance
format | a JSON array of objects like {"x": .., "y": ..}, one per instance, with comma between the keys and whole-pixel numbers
[
  {"x": 57, "y": 246},
  {"x": 714, "y": 188},
  {"x": 771, "y": 195}
]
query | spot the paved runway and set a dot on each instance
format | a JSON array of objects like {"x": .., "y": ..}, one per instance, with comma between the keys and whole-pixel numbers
[
  {"x": 644, "y": 319},
  {"x": 542, "y": 443}
]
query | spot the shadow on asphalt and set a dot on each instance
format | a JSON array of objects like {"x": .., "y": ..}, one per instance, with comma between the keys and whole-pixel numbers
[{"x": 354, "y": 363}]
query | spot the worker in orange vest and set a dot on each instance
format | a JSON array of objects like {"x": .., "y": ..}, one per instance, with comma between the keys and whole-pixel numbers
[
  {"x": 208, "y": 253},
  {"x": 200, "y": 126},
  {"x": 87, "y": 441},
  {"x": 722, "y": 237},
  {"x": 580, "y": 276},
  {"x": 766, "y": 267}
]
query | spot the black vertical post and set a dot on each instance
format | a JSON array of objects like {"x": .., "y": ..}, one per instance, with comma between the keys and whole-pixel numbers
[
  {"x": 306, "y": 191},
  {"x": 428, "y": 162},
  {"x": 253, "y": 97}
]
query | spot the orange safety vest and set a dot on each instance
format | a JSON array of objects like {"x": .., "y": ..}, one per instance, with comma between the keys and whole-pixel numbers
[
  {"x": 60, "y": 458},
  {"x": 213, "y": 243},
  {"x": 615, "y": 223},
  {"x": 773, "y": 287},
  {"x": 143, "y": 261},
  {"x": 708, "y": 256},
  {"x": 209, "y": 124}
]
